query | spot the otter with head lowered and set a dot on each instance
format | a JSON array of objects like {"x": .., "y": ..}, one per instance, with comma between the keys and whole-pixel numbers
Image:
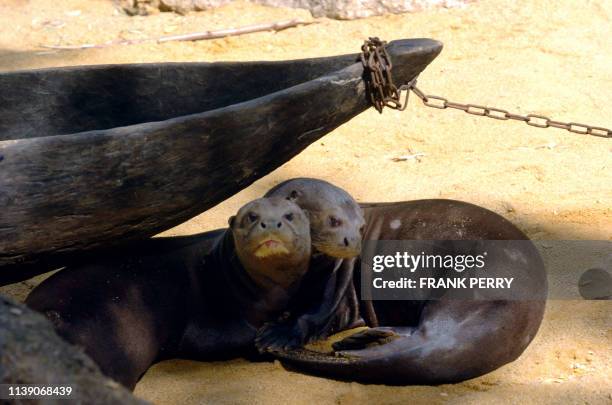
[
  {"x": 336, "y": 219},
  {"x": 435, "y": 338}
]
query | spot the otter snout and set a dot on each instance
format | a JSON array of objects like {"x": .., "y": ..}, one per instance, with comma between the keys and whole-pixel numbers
[
  {"x": 271, "y": 224},
  {"x": 341, "y": 246},
  {"x": 352, "y": 243},
  {"x": 270, "y": 228}
]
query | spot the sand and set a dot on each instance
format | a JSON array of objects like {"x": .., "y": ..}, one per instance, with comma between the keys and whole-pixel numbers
[{"x": 526, "y": 56}]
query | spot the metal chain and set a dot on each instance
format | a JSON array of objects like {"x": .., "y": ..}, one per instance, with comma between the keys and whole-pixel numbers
[
  {"x": 377, "y": 65},
  {"x": 539, "y": 121},
  {"x": 383, "y": 93}
]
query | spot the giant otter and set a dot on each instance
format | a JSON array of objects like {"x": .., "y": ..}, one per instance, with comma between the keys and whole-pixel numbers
[
  {"x": 202, "y": 300},
  {"x": 436, "y": 341},
  {"x": 336, "y": 225}
]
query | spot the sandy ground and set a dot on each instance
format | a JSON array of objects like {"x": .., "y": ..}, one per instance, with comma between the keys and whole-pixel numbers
[{"x": 525, "y": 55}]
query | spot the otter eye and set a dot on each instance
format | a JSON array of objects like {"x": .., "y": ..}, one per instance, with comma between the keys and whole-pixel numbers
[
  {"x": 362, "y": 229},
  {"x": 289, "y": 217},
  {"x": 334, "y": 222},
  {"x": 252, "y": 217}
]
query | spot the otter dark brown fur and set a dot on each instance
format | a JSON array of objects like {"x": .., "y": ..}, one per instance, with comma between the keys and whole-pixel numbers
[
  {"x": 436, "y": 341},
  {"x": 336, "y": 225},
  {"x": 203, "y": 300}
]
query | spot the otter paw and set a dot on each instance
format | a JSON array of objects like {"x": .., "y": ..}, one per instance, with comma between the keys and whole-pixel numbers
[
  {"x": 276, "y": 337},
  {"x": 366, "y": 338}
]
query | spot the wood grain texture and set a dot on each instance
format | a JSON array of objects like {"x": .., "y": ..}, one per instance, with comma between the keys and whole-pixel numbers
[{"x": 95, "y": 156}]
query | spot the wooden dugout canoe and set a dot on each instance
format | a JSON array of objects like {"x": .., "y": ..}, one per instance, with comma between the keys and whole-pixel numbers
[{"x": 91, "y": 156}]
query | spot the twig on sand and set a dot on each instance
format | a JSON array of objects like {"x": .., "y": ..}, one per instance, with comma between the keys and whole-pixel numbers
[
  {"x": 195, "y": 36},
  {"x": 72, "y": 47},
  {"x": 416, "y": 156},
  {"x": 276, "y": 26}
]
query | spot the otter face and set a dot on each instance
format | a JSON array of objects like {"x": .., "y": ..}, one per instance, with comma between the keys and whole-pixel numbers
[
  {"x": 335, "y": 233},
  {"x": 336, "y": 219},
  {"x": 270, "y": 229}
]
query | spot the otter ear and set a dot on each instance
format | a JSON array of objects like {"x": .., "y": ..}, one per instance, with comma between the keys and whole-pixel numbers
[
  {"x": 231, "y": 221},
  {"x": 293, "y": 195}
]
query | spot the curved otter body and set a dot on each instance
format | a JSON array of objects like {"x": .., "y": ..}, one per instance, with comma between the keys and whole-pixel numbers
[
  {"x": 195, "y": 298},
  {"x": 436, "y": 341}
]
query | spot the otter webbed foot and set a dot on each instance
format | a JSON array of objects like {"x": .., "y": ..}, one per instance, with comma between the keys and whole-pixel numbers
[
  {"x": 366, "y": 338},
  {"x": 280, "y": 336}
]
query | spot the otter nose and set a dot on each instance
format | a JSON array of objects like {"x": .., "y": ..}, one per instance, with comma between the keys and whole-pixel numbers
[{"x": 265, "y": 224}]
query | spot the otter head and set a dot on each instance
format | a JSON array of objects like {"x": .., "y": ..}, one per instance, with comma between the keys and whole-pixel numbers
[
  {"x": 272, "y": 240},
  {"x": 336, "y": 219}
]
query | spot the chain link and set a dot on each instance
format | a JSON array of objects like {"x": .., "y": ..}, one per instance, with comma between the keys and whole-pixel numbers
[
  {"x": 538, "y": 121},
  {"x": 377, "y": 65},
  {"x": 383, "y": 93}
]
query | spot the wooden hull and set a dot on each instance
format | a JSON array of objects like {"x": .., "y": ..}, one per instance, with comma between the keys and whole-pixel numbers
[{"x": 97, "y": 155}]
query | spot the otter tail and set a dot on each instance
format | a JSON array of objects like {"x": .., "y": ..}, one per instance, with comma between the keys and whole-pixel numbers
[
  {"x": 401, "y": 361},
  {"x": 447, "y": 348}
]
